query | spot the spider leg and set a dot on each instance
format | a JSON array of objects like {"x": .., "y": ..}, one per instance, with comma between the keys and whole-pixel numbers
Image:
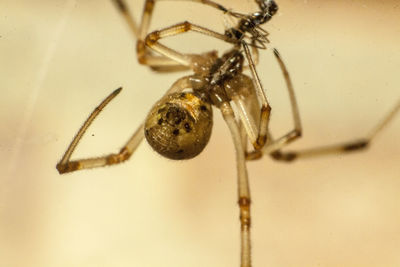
[
  {"x": 341, "y": 148},
  {"x": 244, "y": 136},
  {"x": 244, "y": 199},
  {"x": 212, "y": 4},
  {"x": 144, "y": 55},
  {"x": 265, "y": 106},
  {"x": 126, "y": 13},
  {"x": 255, "y": 55},
  {"x": 242, "y": 92},
  {"x": 152, "y": 41},
  {"x": 66, "y": 165},
  {"x": 141, "y": 32},
  {"x": 297, "y": 131}
]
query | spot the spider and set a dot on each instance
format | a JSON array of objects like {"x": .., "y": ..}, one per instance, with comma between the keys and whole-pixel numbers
[{"x": 179, "y": 125}]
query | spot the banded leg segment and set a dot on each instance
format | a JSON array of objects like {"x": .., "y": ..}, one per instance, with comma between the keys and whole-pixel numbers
[
  {"x": 144, "y": 55},
  {"x": 152, "y": 40},
  {"x": 340, "y": 148},
  {"x": 293, "y": 134},
  {"x": 265, "y": 106},
  {"x": 244, "y": 199},
  {"x": 170, "y": 60},
  {"x": 274, "y": 147},
  {"x": 66, "y": 165}
]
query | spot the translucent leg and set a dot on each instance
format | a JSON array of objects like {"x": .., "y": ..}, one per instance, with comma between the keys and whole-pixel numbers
[
  {"x": 244, "y": 199},
  {"x": 345, "y": 147}
]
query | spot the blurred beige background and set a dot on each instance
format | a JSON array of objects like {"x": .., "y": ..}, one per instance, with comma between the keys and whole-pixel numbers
[{"x": 60, "y": 58}]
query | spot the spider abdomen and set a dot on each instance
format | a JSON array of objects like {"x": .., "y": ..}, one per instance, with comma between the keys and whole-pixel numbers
[{"x": 179, "y": 126}]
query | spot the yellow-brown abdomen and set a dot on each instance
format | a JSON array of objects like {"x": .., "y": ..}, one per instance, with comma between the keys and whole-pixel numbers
[{"x": 179, "y": 126}]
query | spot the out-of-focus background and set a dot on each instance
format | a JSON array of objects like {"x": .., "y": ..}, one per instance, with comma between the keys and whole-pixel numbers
[{"x": 60, "y": 58}]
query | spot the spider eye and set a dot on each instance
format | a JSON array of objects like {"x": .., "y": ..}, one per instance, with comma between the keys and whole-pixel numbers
[{"x": 179, "y": 126}]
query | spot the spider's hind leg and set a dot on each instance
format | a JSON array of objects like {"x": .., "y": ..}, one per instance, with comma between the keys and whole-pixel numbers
[{"x": 341, "y": 148}]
